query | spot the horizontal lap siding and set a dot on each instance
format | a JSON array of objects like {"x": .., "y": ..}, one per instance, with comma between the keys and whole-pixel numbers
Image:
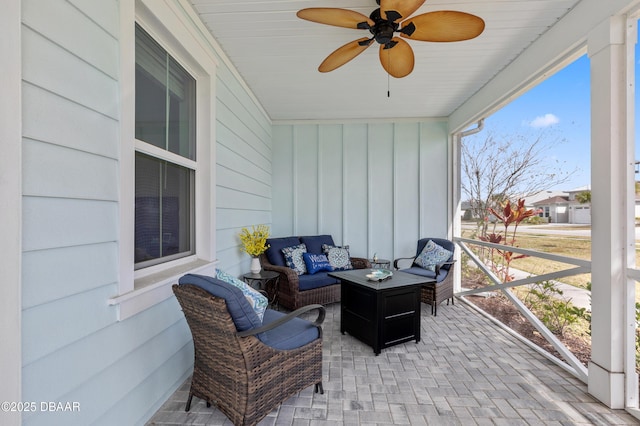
[
  {"x": 377, "y": 187},
  {"x": 74, "y": 349},
  {"x": 243, "y": 169}
]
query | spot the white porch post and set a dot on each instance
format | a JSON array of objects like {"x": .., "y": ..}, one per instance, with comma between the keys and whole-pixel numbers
[
  {"x": 611, "y": 167},
  {"x": 10, "y": 208}
]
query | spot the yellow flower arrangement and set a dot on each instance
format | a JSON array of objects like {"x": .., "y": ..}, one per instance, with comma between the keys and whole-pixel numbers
[{"x": 254, "y": 242}]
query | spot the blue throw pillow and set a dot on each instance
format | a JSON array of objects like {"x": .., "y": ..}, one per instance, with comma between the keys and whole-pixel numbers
[
  {"x": 338, "y": 257},
  {"x": 293, "y": 258},
  {"x": 432, "y": 254},
  {"x": 316, "y": 263},
  {"x": 257, "y": 301}
]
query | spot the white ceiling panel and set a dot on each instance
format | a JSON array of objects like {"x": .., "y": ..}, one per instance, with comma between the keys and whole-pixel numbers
[{"x": 277, "y": 54}]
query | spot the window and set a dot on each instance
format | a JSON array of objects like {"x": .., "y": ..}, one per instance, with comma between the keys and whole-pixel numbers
[
  {"x": 544, "y": 211},
  {"x": 167, "y": 174},
  {"x": 165, "y": 155}
]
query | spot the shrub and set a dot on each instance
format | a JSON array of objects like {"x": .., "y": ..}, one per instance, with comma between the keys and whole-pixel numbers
[{"x": 555, "y": 311}]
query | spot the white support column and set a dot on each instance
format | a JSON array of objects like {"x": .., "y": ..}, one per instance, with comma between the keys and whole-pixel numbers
[
  {"x": 610, "y": 167},
  {"x": 11, "y": 208},
  {"x": 456, "y": 190}
]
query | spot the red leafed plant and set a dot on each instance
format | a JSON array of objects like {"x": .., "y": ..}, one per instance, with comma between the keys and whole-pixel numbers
[{"x": 508, "y": 216}]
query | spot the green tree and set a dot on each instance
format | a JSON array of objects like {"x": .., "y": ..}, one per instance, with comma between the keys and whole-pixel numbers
[{"x": 583, "y": 197}]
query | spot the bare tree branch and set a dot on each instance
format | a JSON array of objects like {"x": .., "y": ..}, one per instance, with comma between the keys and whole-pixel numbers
[{"x": 499, "y": 168}]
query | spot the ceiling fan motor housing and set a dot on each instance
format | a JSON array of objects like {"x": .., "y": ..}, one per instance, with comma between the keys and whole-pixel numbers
[{"x": 382, "y": 29}]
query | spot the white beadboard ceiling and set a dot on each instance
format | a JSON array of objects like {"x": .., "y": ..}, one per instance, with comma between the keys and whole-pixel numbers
[{"x": 277, "y": 54}]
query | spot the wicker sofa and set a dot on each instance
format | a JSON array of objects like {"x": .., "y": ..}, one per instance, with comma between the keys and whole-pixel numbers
[{"x": 296, "y": 290}]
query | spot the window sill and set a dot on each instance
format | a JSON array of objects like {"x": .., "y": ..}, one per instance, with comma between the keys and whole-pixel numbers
[{"x": 154, "y": 288}]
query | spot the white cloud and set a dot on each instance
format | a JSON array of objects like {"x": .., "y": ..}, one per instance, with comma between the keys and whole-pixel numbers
[{"x": 544, "y": 121}]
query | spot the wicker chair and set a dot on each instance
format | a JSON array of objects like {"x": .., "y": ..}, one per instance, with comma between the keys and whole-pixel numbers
[
  {"x": 237, "y": 371},
  {"x": 290, "y": 294},
  {"x": 434, "y": 293}
]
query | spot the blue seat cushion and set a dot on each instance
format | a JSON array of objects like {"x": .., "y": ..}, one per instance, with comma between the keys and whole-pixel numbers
[
  {"x": 314, "y": 242},
  {"x": 290, "y": 335},
  {"x": 317, "y": 280},
  {"x": 242, "y": 314},
  {"x": 417, "y": 270},
  {"x": 274, "y": 252}
]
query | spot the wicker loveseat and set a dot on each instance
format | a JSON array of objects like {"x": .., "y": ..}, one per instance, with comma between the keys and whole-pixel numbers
[
  {"x": 296, "y": 290},
  {"x": 244, "y": 365}
]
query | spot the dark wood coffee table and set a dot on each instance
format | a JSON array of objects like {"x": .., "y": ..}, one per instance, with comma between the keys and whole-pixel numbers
[{"x": 380, "y": 314}]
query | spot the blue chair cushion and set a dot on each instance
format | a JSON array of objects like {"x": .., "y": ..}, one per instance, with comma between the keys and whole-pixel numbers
[
  {"x": 314, "y": 242},
  {"x": 417, "y": 270},
  {"x": 274, "y": 252},
  {"x": 242, "y": 314},
  {"x": 290, "y": 335},
  {"x": 320, "y": 279}
]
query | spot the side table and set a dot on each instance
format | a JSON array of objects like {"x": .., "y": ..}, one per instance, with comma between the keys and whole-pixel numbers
[
  {"x": 265, "y": 282},
  {"x": 380, "y": 263}
]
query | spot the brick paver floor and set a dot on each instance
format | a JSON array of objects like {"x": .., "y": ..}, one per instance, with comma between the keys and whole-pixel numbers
[{"x": 464, "y": 371}]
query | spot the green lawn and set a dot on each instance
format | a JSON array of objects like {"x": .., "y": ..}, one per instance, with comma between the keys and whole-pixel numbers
[{"x": 569, "y": 246}]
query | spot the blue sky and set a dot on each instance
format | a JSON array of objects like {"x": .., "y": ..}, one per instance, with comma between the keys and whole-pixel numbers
[{"x": 561, "y": 105}]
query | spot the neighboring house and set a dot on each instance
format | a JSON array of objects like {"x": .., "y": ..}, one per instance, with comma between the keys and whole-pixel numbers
[
  {"x": 579, "y": 213},
  {"x": 554, "y": 209},
  {"x": 565, "y": 208}
]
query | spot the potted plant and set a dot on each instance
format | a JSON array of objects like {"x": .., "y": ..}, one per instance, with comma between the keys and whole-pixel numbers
[{"x": 254, "y": 243}]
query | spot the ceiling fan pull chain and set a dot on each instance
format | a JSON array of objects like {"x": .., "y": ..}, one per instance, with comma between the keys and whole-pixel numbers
[
  {"x": 388, "y": 78},
  {"x": 388, "y": 90}
]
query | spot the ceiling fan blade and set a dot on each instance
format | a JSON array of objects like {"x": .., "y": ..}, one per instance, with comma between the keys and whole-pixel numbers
[
  {"x": 398, "y": 60},
  {"x": 443, "y": 25},
  {"x": 337, "y": 17},
  {"x": 404, "y": 8},
  {"x": 344, "y": 54}
]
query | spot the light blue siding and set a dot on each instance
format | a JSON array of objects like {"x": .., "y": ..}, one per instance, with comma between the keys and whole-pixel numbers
[
  {"x": 52, "y": 170},
  {"x": 59, "y": 222},
  {"x": 51, "y": 66},
  {"x": 356, "y": 181},
  {"x": 47, "y": 118},
  {"x": 74, "y": 349},
  {"x": 356, "y": 223},
  {"x": 305, "y": 180},
  {"x": 330, "y": 190},
  {"x": 49, "y": 275},
  {"x": 381, "y": 206},
  {"x": 407, "y": 186},
  {"x": 283, "y": 181},
  {"x": 96, "y": 46},
  {"x": 243, "y": 169},
  {"x": 243, "y": 184},
  {"x": 377, "y": 187},
  {"x": 54, "y": 325},
  {"x": 433, "y": 180}
]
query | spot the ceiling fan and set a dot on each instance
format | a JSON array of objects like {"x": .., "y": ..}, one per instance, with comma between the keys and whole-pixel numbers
[{"x": 393, "y": 16}]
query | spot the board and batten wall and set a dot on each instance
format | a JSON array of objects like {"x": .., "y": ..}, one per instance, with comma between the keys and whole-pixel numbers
[
  {"x": 375, "y": 186},
  {"x": 74, "y": 349}
]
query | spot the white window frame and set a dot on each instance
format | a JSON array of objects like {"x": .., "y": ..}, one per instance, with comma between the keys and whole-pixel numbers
[{"x": 174, "y": 25}]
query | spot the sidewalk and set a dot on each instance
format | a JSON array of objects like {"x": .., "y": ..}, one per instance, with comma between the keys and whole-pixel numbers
[{"x": 580, "y": 297}]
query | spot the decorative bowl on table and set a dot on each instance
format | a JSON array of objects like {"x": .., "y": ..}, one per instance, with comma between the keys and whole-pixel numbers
[{"x": 379, "y": 274}]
